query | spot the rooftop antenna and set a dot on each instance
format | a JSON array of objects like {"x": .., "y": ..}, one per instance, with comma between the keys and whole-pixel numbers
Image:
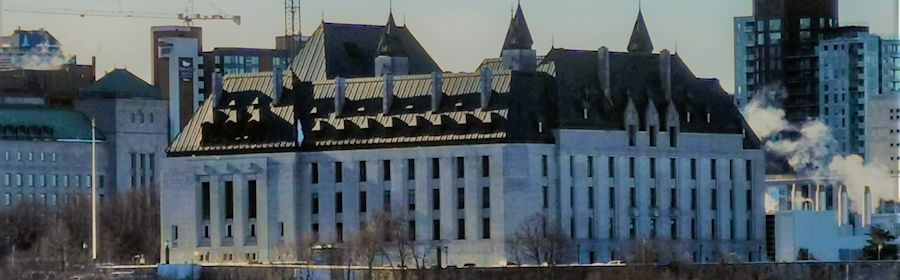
[
  {"x": 552, "y": 41},
  {"x": 323, "y": 15}
]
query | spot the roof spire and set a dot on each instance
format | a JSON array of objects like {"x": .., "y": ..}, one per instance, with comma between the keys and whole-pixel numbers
[
  {"x": 640, "y": 38},
  {"x": 391, "y": 44},
  {"x": 518, "y": 37}
]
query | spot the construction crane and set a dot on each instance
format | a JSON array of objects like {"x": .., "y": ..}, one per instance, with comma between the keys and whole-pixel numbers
[
  {"x": 188, "y": 16},
  {"x": 292, "y": 31}
]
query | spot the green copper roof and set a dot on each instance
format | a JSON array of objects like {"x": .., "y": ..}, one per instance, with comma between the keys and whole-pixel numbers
[
  {"x": 120, "y": 84},
  {"x": 43, "y": 123}
]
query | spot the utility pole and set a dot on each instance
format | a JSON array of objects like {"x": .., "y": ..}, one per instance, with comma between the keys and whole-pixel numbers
[{"x": 94, "y": 190}]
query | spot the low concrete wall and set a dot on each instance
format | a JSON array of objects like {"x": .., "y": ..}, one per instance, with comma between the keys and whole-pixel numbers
[{"x": 818, "y": 271}]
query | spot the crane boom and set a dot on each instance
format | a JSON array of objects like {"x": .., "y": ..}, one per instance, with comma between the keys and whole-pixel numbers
[{"x": 188, "y": 16}]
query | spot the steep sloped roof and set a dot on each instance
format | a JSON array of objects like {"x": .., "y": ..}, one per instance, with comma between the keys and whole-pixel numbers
[
  {"x": 391, "y": 44},
  {"x": 349, "y": 51},
  {"x": 640, "y": 38},
  {"x": 120, "y": 83},
  {"x": 518, "y": 37}
]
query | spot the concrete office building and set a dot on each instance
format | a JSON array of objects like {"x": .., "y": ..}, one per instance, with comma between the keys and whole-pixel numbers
[
  {"x": 775, "y": 53},
  {"x": 613, "y": 147}
]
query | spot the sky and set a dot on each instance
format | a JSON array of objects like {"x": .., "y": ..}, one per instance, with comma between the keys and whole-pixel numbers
[{"x": 458, "y": 34}]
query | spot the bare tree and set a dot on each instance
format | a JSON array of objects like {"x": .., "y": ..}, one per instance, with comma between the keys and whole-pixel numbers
[
  {"x": 129, "y": 222},
  {"x": 371, "y": 240},
  {"x": 539, "y": 242}
]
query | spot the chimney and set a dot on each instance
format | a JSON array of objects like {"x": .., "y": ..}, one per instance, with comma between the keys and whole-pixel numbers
[
  {"x": 437, "y": 85},
  {"x": 388, "y": 99},
  {"x": 277, "y": 85},
  {"x": 486, "y": 87},
  {"x": 665, "y": 72},
  {"x": 216, "y": 92},
  {"x": 340, "y": 91},
  {"x": 867, "y": 211},
  {"x": 603, "y": 70}
]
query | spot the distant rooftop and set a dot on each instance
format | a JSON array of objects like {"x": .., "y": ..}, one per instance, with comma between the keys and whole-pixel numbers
[
  {"x": 120, "y": 83},
  {"x": 38, "y": 123}
]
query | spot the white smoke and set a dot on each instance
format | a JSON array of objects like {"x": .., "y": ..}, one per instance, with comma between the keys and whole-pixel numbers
[
  {"x": 42, "y": 57},
  {"x": 809, "y": 150}
]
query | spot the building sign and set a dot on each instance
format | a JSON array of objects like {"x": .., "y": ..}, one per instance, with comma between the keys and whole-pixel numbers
[{"x": 186, "y": 69}]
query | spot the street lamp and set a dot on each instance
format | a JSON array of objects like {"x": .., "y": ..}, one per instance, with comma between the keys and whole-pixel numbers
[{"x": 167, "y": 251}]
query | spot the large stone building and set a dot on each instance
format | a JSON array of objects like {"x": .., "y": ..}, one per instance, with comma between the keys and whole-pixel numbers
[{"x": 614, "y": 147}]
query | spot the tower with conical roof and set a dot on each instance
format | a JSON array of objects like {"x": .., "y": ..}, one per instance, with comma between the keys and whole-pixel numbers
[
  {"x": 640, "y": 42},
  {"x": 518, "y": 54},
  {"x": 392, "y": 58}
]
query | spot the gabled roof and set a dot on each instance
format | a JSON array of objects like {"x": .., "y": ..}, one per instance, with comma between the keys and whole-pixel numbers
[
  {"x": 391, "y": 44},
  {"x": 120, "y": 83},
  {"x": 640, "y": 38},
  {"x": 349, "y": 51},
  {"x": 518, "y": 37}
]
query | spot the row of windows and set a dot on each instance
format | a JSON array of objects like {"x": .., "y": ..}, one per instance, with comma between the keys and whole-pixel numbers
[
  {"x": 141, "y": 117},
  {"x": 363, "y": 169},
  {"x": 143, "y": 168},
  {"x": 363, "y": 200},
  {"x": 656, "y": 227},
  {"x": 30, "y": 156},
  {"x": 206, "y": 195},
  {"x": 673, "y": 167},
  {"x": 654, "y": 198},
  {"x": 652, "y": 135},
  {"x": 52, "y": 180},
  {"x": 45, "y": 199},
  {"x": 436, "y": 232}
]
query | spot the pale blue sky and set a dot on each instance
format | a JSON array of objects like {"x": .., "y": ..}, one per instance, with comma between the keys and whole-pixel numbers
[{"x": 457, "y": 33}]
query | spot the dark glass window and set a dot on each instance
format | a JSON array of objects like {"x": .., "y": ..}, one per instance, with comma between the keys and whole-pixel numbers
[
  {"x": 251, "y": 199},
  {"x": 229, "y": 200},
  {"x": 204, "y": 190},
  {"x": 363, "y": 172},
  {"x": 386, "y": 167},
  {"x": 338, "y": 202},
  {"x": 485, "y": 166},
  {"x": 362, "y": 202},
  {"x": 338, "y": 172},
  {"x": 435, "y": 168},
  {"x": 314, "y": 173},
  {"x": 460, "y": 167},
  {"x": 410, "y": 169}
]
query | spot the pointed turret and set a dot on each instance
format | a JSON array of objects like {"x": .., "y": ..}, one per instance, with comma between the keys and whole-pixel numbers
[
  {"x": 392, "y": 58},
  {"x": 640, "y": 38},
  {"x": 518, "y": 37},
  {"x": 517, "y": 53}
]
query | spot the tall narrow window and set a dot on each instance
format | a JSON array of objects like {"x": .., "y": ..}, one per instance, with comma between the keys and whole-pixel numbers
[
  {"x": 632, "y": 228},
  {"x": 386, "y": 201},
  {"x": 229, "y": 200},
  {"x": 314, "y": 204},
  {"x": 315, "y": 231},
  {"x": 485, "y": 166},
  {"x": 572, "y": 166},
  {"x": 435, "y": 199},
  {"x": 612, "y": 198},
  {"x": 749, "y": 198},
  {"x": 653, "y": 197},
  {"x": 363, "y": 172},
  {"x": 590, "y": 228},
  {"x": 632, "y": 135},
  {"x": 590, "y": 167},
  {"x": 205, "y": 196},
  {"x": 652, "y": 132},
  {"x": 712, "y": 169},
  {"x": 338, "y": 172},
  {"x": 339, "y": 229},
  {"x": 435, "y": 168},
  {"x": 460, "y": 198},
  {"x": 460, "y": 167},
  {"x": 436, "y": 229},
  {"x": 338, "y": 202},
  {"x": 410, "y": 169},
  {"x": 590, "y": 197},
  {"x": 731, "y": 169},
  {"x": 486, "y": 228},
  {"x": 411, "y": 199},
  {"x": 653, "y": 168},
  {"x": 611, "y": 166},
  {"x": 673, "y": 136},
  {"x": 693, "y": 169},
  {"x": 386, "y": 169},
  {"x": 411, "y": 230},
  {"x": 485, "y": 198},
  {"x": 632, "y": 199},
  {"x": 251, "y": 199},
  {"x": 714, "y": 199},
  {"x": 545, "y": 169},
  {"x": 363, "y": 202},
  {"x": 673, "y": 228},
  {"x": 460, "y": 229},
  {"x": 673, "y": 171},
  {"x": 631, "y": 170},
  {"x": 314, "y": 173},
  {"x": 693, "y": 198},
  {"x": 673, "y": 197},
  {"x": 714, "y": 229},
  {"x": 748, "y": 170},
  {"x": 546, "y": 197}
]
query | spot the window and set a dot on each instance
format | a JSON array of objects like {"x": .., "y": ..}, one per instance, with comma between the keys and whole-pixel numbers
[
  {"x": 485, "y": 166},
  {"x": 460, "y": 229},
  {"x": 460, "y": 198},
  {"x": 590, "y": 167},
  {"x": 673, "y": 197},
  {"x": 174, "y": 232},
  {"x": 748, "y": 170},
  {"x": 713, "y": 228},
  {"x": 205, "y": 199},
  {"x": 749, "y": 198},
  {"x": 362, "y": 171},
  {"x": 386, "y": 168},
  {"x": 713, "y": 199},
  {"x": 436, "y": 229},
  {"x": 590, "y": 228},
  {"x": 693, "y": 228},
  {"x": 653, "y": 232},
  {"x": 632, "y": 228},
  {"x": 653, "y": 197},
  {"x": 435, "y": 168},
  {"x": 712, "y": 169},
  {"x": 631, "y": 170},
  {"x": 652, "y": 132},
  {"x": 805, "y": 23},
  {"x": 485, "y": 198},
  {"x": 362, "y": 202},
  {"x": 545, "y": 194},
  {"x": 315, "y": 231},
  {"x": 673, "y": 171},
  {"x": 731, "y": 170},
  {"x": 486, "y": 228},
  {"x": 545, "y": 170},
  {"x": 590, "y": 197},
  {"x": 693, "y": 169},
  {"x": 338, "y": 202},
  {"x": 411, "y": 230},
  {"x": 572, "y": 197},
  {"x": 653, "y": 168},
  {"x": 612, "y": 167},
  {"x": 338, "y": 172},
  {"x": 612, "y": 198},
  {"x": 339, "y": 229},
  {"x": 386, "y": 203},
  {"x": 410, "y": 169},
  {"x": 251, "y": 199},
  {"x": 632, "y": 199},
  {"x": 252, "y": 230},
  {"x": 673, "y": 137},
  {"x": 632, "y": 135},
  {"x": 281, "y": 228},
  {"x": 7, "y": 199},
  {"x": 229, "y": 200},
  {"x": 315, "y": 203},
  {"x": 572, "y": 166},
  {"x": 673, "y": 228},
  {"x": 460, "y": 167},
  {"x": 314, "y": 173},
  {"x": 411, "y": 199},
  {"x": 435, "y": 199},
  {"x": 693, "y": 198}
]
